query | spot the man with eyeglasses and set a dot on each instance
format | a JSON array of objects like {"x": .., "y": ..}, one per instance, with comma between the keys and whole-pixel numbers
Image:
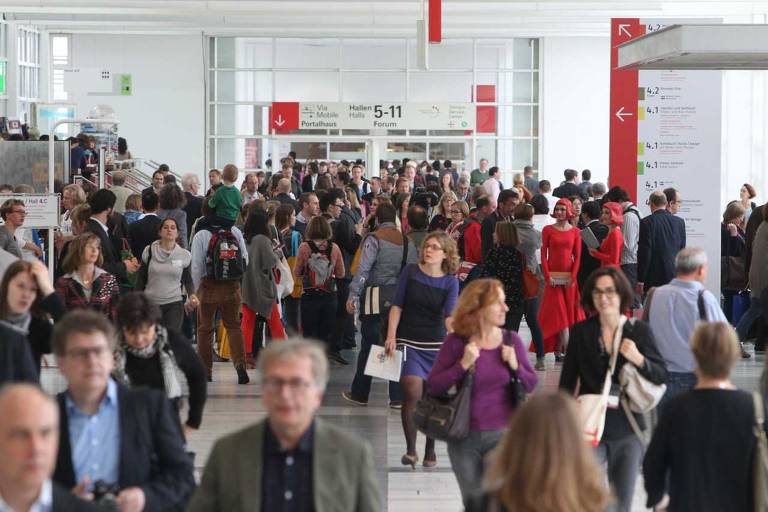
[
  {"x": 127, "y": 438},
  {"x": 13, "y": 213},
  {"x": 292, "y": 460}
]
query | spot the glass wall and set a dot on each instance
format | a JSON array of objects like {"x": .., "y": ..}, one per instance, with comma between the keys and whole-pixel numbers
[{"x": 245, "y": 75}]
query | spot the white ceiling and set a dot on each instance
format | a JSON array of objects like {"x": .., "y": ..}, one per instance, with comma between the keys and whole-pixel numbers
[{"x": 364, "y": 18}]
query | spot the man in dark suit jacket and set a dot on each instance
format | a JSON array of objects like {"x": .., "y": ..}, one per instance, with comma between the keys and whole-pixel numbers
[
  {"x": 508, "y": 200},
  {"x": 102, "y": 202},
  {"x": 569, "y": 188},
  {"x": 590, "y": 212},
  {"x": 662, "y": 236},
  {"x": 194, "y": 206},
  {"x": 246, "y": 470},
  {"x": 29, "y": 433},
  {"x": 145, "y": 230},
  {"x": 147, "y": 460}
]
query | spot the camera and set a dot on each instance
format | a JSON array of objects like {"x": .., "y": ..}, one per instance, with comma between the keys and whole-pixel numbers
[{"x": 105, "y": 495}]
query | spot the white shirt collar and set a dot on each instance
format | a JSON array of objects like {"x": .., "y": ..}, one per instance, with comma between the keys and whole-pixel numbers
[
  {"x": 43, "y": 503},
  {"x": 103, "y": 226}
]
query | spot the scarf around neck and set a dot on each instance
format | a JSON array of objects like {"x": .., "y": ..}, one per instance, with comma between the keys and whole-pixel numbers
[
  {"x": 19, "y": 323},
  {"x": 161, "y": 347}
]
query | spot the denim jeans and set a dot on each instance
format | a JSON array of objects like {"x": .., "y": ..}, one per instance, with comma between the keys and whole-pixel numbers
[
  {"x": 677, "y": 383},
  {"x": 531, "y": 312},
  {"x": 370, "y": 330},
  {"x": 622, "y": 458},
  {"x": 467, "y": 458},
  {"x": 745, "y": 324}
]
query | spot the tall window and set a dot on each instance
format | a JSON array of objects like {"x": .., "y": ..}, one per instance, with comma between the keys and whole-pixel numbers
[
  {"x": 247, "y": 74},
  {"x": 3, "y": 68},
  {"x": 60, "y": 60},
  {"x": 28, "y": 51}
]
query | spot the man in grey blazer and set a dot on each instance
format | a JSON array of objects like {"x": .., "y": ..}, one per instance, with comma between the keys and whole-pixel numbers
[{"x": 291, "y": 456}]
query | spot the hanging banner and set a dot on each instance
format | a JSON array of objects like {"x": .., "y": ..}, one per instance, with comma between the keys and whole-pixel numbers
[
  {"x": 372, "y": 116},
  {"x": 665, "y": 131}
]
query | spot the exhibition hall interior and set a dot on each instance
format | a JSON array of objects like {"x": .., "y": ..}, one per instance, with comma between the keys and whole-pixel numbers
[{"x": 383, "y": 255}]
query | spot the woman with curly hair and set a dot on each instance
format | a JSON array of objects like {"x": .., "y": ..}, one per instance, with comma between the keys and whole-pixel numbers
[
  {"x": 480, "y": 343},
  {"x": 425, "y": 297}
]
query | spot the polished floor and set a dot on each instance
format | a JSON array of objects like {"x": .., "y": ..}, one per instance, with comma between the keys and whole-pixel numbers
[{"x": 231, "y": 407}]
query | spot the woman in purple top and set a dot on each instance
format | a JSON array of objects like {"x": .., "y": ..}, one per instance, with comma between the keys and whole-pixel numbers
[
  {"x": 479, "y": 341},
  {"x": 425, "y": 297}
]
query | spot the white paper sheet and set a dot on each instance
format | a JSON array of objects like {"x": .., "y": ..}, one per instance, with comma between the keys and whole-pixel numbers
[{"x": 382, "y": 366}]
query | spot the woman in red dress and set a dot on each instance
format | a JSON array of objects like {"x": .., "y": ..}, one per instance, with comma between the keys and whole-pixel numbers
[
  {"x": 560, "y": 258},
  {"x": 609, "y": 252}
]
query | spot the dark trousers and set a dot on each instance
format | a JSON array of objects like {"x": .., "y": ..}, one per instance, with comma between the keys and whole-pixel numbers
[
  {"x": 370, "y": 329},
  {"x": 344, "y": 329},
  {"x": 531, "y": 311},
  {"x": 622, "y": 458},
  {"x": 318, "y": 312},
  {"x": 630, "y": 271},
  {"x": 291, "y": 314},
  {"x": 173, "y": 315}
]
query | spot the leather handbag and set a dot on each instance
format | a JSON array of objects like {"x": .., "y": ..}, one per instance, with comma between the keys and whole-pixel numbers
[
  {"x": 530, "y": 284},
  {"x": 592, "y": 408},
  {"x": 760, "y": 459},
  {"x": 733, "y": 273},
  {"x": 643, "y": 395},
  {"x": 446, "y": 418}
]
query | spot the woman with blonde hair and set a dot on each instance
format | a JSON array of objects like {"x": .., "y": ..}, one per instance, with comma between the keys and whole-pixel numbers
[
  {"x": 425, "y": 297},
  {"x": 542, "y": 464},
  {"x": 480, "y": 343},
  {"x": 442, "y": 217},
  {"x": 702, "y": 450}
]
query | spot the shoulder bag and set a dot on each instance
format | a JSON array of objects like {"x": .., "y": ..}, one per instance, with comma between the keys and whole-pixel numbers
[
  {"x": 518, "y": 391},
  {"x": 592, "y": 408},
  {"x": 378, "y": 299},
  {"x": 760, "y": 458},
  {"x": 641, "y": 395},
  {"x": 446, "y": 417}
]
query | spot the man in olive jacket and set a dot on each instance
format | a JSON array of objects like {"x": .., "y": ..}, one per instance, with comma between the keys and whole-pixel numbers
[{"x": 291, "y": 456}]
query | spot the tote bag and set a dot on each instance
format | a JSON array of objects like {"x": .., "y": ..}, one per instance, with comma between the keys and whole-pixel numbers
[{"x": 593, "y": 407}]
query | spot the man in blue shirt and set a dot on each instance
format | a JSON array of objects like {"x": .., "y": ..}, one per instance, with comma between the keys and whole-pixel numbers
[
  {"x": 109, "y": 433},
  {"x": 673, "y": 311}
]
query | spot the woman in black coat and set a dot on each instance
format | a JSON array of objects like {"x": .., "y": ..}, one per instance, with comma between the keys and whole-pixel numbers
[
  {"x": 149, "y": 355},
  {"x": 703, "y": 448},
  {"x": 28, "y": 304},
  {"x": 607, "y": 295}
]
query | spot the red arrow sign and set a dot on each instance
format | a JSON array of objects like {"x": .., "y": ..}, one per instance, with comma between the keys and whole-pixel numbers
[{"x": 284, "y": 116}]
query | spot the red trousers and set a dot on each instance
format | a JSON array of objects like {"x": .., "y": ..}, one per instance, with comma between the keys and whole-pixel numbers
[{"x": 248, "y": 324}]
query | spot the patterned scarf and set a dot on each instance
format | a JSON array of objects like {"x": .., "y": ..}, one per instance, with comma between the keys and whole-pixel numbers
[{"x": 167, "y": 361}]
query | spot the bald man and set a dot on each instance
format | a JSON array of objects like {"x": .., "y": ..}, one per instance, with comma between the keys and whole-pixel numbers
[
  {"x": 29, "y": 440},
  {"x": 662, "y": 236}
]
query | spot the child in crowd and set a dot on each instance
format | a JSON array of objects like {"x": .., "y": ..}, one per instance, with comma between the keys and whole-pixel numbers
[{"x": 226, "y": 200}]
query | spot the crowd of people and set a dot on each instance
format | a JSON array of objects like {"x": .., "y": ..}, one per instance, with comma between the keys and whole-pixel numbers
[{"x": 431, "y": 264}]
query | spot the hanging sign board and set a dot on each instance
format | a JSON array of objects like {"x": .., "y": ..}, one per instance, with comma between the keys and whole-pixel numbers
[
  {"x": 665, "y": 131},
  {"x": 42, "y": 209},
  {"x": 372, "y": 116}
]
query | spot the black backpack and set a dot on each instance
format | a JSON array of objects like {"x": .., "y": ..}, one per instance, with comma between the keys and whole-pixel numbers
[{"x": 224, "y": 260}]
